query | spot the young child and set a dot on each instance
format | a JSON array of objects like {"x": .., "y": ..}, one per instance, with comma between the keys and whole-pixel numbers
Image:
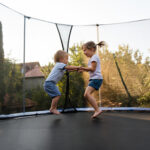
[
  {"x": 61, "y": 60},
  {"x": 94, "y": 70}
]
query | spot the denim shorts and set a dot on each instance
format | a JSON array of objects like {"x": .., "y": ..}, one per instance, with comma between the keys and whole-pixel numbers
[
  {"x": 51, "y": 89},
  {"x": 95, "y": 83}
]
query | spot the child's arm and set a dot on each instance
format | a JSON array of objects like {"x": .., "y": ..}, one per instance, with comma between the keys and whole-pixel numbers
[
  {"x": 92, "y": 68},
  {"x": 72, "y": 68}
]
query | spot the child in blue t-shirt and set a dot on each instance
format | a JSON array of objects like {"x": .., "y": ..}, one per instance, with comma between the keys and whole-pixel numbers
[
  {"x": 61, "y": 60},
  {"x": 94, "y": 70}
]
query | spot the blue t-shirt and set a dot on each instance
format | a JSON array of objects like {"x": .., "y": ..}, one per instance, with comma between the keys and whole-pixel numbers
[{"x": 57, "y": 72}]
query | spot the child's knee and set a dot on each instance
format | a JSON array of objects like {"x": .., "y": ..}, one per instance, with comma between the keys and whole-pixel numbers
[{"x": 86, "y": 95}]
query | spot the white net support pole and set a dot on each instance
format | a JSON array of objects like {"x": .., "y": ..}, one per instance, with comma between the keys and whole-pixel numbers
[{"x": 98, "y": 49}]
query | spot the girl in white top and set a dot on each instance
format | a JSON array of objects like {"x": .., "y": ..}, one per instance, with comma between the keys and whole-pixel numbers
[{"x": 94, "y": 70}]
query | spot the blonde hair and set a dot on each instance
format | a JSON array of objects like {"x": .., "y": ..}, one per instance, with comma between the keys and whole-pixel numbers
[
  {"x": 91, "y": 44},
  {"x": 60, "y": 54}
]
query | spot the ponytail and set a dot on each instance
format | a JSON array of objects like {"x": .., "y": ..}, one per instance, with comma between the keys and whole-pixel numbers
[
  {"x": 101, "y": 43},
  {"x": 91, "y": 44}
]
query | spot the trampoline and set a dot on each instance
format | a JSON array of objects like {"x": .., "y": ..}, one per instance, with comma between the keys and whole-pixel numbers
[
  {"x": 76, "y": 131},
  {"x": 126, "y": 128}
]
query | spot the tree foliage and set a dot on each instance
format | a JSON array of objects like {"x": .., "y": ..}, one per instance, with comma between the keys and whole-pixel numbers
[
  {"x": 2, "y": 91},
  {"x": 13, "y": 86},
  {"x": 135, "y": 74}
]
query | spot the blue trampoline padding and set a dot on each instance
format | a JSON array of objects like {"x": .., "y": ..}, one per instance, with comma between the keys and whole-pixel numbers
[
  {"x": 3, "y": 116},
  {"x": 24, "y": 114}
]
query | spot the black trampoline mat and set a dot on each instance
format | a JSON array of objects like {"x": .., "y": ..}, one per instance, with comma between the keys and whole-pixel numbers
[{"x": 76, "y": 131}]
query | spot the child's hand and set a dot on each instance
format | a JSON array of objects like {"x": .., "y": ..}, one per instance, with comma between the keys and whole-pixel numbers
[{"x": 80, "y": 69}]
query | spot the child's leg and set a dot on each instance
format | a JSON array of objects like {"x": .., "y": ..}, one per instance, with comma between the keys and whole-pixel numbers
[
  {"x": 53, "y": 107},
  {"x": 89, "y": 90}
]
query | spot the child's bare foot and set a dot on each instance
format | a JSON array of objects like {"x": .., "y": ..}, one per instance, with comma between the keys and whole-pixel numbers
[
  {"x": 97, "y": 113},
  {"x": 54, "y": 111}
]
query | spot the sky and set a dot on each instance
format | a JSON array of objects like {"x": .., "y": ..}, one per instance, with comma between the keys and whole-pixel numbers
[
  {"x": 82, "y": 11},
  {"x": 42, "y": 39}
]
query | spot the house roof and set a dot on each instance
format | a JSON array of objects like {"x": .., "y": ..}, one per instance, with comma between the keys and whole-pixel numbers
[
  {"x": 33, "y": 73},
  {"x": 30, "y": 65}
]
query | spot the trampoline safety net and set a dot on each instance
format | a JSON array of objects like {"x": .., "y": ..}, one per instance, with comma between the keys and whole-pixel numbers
[{"x": 27, "y": 48}]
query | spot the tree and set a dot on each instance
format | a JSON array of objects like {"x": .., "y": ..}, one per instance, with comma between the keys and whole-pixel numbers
[
  {"x": 13, "y": 87},
  {"x": 138, "y": 57},
  {"x": 2, "y": 87},
  {"x": 136, "y": 75}
]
